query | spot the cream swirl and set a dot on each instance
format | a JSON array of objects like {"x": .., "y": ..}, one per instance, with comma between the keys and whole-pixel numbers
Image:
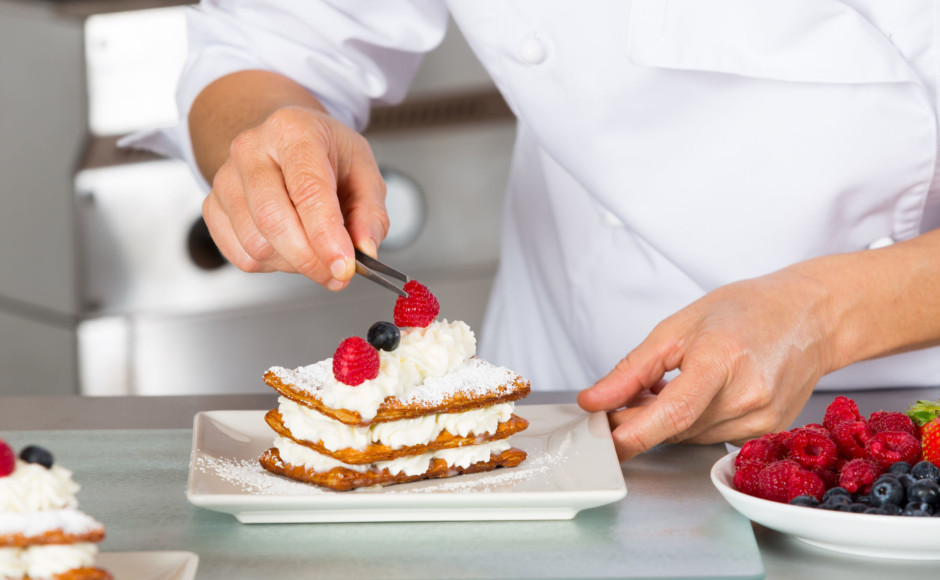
[
  {"x": 49, "y": 561},
  {"x": 12, "y": 564},
  {"x": 32, "y": 487},
  {"x": 310, "y": 425},
  {"x": 423, "y": 353},
  {"x": 298, "y": 455}
]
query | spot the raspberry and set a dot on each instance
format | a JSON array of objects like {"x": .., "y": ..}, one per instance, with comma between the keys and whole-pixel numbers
[
  {"x": 880, "y": 421},
  {"x": 746, "y": 479},
  {"x": 420, "y": 308},
  {"x": 760, "y": 452},
  {"x": 858, "y": 475},
  {"x": 889, "y": 447},
  {"x": 811, "y": 449},
  {"x": 355, "y": 361},
  {"x": 819, "y": 428},
  {"x": 829, "y": 477},
  {"x": 852, "y": 437},
  {"x": 803, "y": 482},
  {"x": 773, "y": 480},
  {"x": 839, "y": 410},
  {"x": 7, "y": 459}
]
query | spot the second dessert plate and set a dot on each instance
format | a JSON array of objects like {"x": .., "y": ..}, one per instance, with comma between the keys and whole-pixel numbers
[{"x": 571, "y": 466}]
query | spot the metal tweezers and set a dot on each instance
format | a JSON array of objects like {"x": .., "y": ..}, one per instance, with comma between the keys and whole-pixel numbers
[{"x": 372, "y": 269}]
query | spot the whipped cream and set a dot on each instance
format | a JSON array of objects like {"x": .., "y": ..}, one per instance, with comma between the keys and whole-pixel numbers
[
  {"x": 45, "y": 561},
  {"x": 32, "y": 487},
  {"x": 69, "y": 520},
  {"x": 423, "y": 353},
  {"x": 465, "y": 456},
  {"x": 310, "y": 425}
]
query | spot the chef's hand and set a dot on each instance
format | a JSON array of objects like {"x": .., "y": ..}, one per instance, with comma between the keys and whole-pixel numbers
[
  {"x": 293, "y": 189},
  {"x": 749, "y": 356}
]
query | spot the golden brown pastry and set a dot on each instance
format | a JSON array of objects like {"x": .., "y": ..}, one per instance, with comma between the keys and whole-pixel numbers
[
  {"x": 343, "y": 479},
  {"x": 378, "y": 452}
]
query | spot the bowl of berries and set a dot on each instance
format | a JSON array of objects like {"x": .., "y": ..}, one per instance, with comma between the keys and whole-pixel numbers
[{"x": 862, "y": 485}]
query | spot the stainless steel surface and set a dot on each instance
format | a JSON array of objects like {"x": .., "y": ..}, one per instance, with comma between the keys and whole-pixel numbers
[
  {"x": 42, "y": 127},
  {"x": 375, "y": 271},
  {"x": 672, "y": 524}
]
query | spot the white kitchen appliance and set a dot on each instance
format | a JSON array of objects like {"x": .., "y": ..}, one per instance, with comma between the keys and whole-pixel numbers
[{"x": 150, "y": 306}]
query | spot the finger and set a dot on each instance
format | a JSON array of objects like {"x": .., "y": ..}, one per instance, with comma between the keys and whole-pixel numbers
[
  {"x": 223, "y": 234},
  {"x": 311, "y": 184},
  {"x": 643, "y": 368},
  {"x": 675, "y": 411},
  {"x": 272, "y": 210},
  {"x": 362, "y": 197},
  {"x": 228, "y": 207}
]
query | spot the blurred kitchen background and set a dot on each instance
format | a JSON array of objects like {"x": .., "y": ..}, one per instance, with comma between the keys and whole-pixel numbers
[{"x": 109, "y": 284}]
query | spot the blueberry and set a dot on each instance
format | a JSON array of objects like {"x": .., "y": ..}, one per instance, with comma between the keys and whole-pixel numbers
[
  {"x": 384, "y": 336},
  {"x": 835, "y": 491},
  {"x": 892, "y": 509},
  {"x": 900, "y": 467},
  {"x": 926, "y": 491},
  {"x": 876, "y": 511},
  {"x": 805, "y": 501},
  {"x": 838, "y": 500},
  {"x": 863, "y": 499},
  {"x": 855, "y": 508},
  {"x": 919, "y": 505},
  {"x": 887, "y": 490},
  {"x": 915, "y": 513},
  {"x": 926, "y": 470},
  {"x": 36, "y": 454},
  {"x": 906, "y": 480}
]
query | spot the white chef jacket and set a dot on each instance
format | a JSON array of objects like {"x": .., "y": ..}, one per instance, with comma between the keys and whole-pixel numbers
[{"x": 665, "y": 147}]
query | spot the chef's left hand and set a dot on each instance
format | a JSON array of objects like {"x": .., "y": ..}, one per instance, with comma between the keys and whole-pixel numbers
[{"x": 749, "y": 356}]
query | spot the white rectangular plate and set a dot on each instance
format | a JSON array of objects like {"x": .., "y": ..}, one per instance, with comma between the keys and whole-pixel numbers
[
  {"x": 149, "y": 565},
  {"x": 571, "y": 466}
]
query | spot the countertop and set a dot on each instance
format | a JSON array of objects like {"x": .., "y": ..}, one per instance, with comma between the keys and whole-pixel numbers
[{"x": 172, "y": 418}]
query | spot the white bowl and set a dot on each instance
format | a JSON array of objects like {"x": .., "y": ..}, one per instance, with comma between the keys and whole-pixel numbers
[{"x": 859, "y": 534}]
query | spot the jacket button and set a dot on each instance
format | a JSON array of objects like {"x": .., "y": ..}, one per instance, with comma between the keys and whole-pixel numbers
[
  {"x": 532, "y": 51},
  {"x": 880, "y": 243}
]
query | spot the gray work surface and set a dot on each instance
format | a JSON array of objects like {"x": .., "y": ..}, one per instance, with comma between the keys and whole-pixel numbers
[
  {"x": 133, "y": 481},
  {"x": 672, "y": 524}
]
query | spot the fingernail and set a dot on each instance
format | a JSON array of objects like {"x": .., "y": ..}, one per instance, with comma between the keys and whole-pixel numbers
[
  {"x": 369, "y": 247},
  {"x": 338, "y": 268},
  {"x": 334, "y": 285}
]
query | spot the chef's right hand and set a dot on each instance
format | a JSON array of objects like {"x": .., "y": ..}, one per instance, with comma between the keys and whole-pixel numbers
[{"x": 296, "y": 194}]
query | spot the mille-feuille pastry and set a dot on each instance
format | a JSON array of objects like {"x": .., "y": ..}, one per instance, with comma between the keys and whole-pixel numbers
[
  {"x": 412, "y": 402},
  {"x": 43, "y": 534}
]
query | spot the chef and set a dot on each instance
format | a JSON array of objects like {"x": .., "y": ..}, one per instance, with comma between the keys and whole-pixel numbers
[{"x": 714, "y": 206}]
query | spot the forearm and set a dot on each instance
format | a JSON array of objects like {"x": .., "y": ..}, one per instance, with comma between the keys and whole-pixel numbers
[
  {"x": 233, "y": 104},
  {"x": 882, "y": 301}
]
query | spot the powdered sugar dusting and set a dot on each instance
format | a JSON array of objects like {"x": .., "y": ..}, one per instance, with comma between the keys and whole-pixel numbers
[
  {"x": 309, "y": 378},
  {"x": 491, "y": 480},
  {"x": 475, "y": 377},
  {"x": 251, "y": 478}
]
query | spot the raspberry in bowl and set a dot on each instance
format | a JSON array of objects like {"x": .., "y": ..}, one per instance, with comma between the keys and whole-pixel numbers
[{"x": 850, "y": 483}]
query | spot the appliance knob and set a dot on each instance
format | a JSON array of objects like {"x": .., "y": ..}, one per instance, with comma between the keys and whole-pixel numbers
[{"x": 202, "y": 249}]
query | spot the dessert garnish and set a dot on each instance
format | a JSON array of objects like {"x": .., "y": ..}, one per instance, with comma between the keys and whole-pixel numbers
[
  {"x": 355, "y": 361},
  {"x": 384, "y": 336},
  {"x": 419, "y": 308}
]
